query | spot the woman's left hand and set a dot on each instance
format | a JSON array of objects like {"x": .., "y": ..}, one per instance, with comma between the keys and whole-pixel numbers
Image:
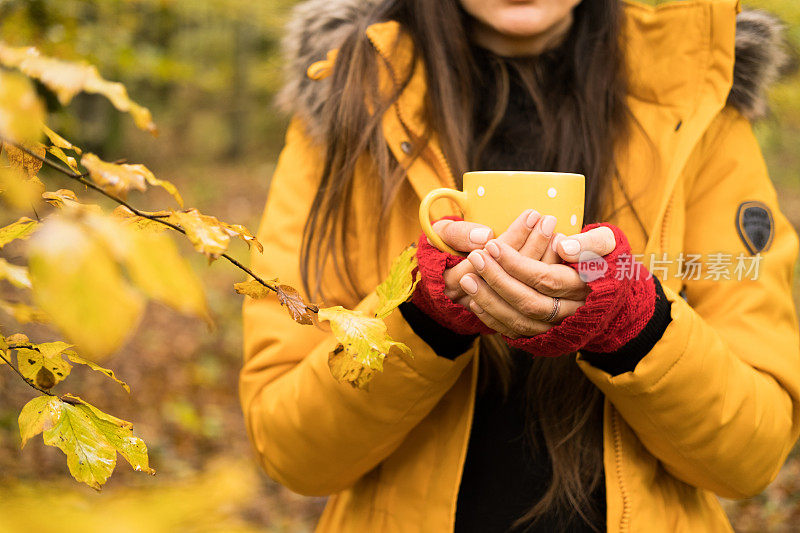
[{"x": 514, "y": 294}]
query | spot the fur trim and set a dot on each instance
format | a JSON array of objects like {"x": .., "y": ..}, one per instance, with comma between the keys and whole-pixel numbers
[
  {"x": 761, "y": 58},
  {"x": 317, "y": 26}
]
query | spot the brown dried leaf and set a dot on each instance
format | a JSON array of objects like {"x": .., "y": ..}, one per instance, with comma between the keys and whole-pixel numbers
[{"x": 294, "y": 303}]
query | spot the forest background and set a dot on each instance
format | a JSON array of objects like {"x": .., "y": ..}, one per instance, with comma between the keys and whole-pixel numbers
[{"x": 208, "y": 70}]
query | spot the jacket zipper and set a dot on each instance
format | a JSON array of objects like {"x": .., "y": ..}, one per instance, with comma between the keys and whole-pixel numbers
[
  {"x": 441, "y": 166},
  {"x": 624, "y": 524}
]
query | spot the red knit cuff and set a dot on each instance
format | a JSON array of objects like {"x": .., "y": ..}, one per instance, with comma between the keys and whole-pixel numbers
[
  {"x": 619, "y": 305},
  {"x": 429, "y": 295}
]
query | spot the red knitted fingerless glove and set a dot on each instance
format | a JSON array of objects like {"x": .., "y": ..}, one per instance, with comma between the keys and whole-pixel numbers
[
  {"x": 620, "y": 304},
  {"x": 429, "y": 295}
]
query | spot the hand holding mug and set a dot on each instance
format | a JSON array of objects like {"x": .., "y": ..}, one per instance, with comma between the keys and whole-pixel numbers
[
  {"x": 515, "y": 295},
  {"x": 530, "y": 234}
]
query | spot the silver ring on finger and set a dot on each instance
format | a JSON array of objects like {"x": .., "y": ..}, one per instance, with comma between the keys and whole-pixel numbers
[{"x": 554, "y": 313}]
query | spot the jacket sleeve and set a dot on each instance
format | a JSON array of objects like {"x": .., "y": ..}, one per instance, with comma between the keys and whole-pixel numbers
[
  {"x": 716, "y": 400},
  {"x": 312, "y": 434}
]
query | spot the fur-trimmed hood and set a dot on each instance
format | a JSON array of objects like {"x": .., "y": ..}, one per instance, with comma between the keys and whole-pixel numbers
[{"x": 318, "y": 26}]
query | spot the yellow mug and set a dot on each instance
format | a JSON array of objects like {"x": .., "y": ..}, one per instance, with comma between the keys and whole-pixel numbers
[{"x": 496, "y": 198}]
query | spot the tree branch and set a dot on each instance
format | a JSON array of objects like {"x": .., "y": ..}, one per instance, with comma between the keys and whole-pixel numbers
[{"x": 81, "y": 178}]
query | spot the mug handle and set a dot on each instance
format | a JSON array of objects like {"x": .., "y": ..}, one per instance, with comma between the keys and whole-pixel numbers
[{"x": 458, "y": 197}]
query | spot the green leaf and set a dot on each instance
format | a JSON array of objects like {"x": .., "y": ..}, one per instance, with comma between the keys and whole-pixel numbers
[
  {"x": 91, "y": 458},
  {"x": 38, "y": 415},
  {"x": 43, "y": 365},
  {"x": 21, "y": 229},
  {"x": 364, "y": 339},
  {"x": 119, "y": 433},
  {"x": 15, "y": 274},
  {"x": 75, "y": 358},
  {"x": 400, "y": 284}
]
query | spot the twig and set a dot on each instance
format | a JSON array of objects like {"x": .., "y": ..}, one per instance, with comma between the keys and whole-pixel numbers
[
  {"x": 15, "y": 369},
  {"x": 81, "y": 178}
]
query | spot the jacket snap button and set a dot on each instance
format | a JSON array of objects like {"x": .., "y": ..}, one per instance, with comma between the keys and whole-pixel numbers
[{"x": 405, "y": 146}]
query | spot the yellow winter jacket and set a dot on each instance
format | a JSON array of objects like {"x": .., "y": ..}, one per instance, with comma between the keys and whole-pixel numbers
[{"x": 711, "y": 410}]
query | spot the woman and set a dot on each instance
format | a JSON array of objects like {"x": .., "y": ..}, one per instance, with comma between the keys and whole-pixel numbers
[{"x": 684, "y": 387}]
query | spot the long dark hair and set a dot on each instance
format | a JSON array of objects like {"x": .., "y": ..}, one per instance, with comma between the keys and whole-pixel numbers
[{"x": 582, "y": 111}]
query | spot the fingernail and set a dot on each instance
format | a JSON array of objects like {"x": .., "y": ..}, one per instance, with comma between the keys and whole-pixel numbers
[
  {"x": 469, "y": 285},
  {"x": 556, "y": 239},
  {"x": 475, "y": 307},
  {"x": 571, "y": 246},
  {"x": 548, "y": 225},
  {"x": 479, "y": 235},
  {"x": 532, "y": 219},
  {"x": 476, "y": 260},
  {"x": 493, "y": 249}
]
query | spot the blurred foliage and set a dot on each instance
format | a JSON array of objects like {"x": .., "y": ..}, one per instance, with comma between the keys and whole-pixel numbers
[{"x": 208, "y": 70}]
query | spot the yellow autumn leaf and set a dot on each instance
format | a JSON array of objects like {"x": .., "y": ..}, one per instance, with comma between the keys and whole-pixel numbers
[
  {"x": 17, "y": 339},
  {"x": 118, "y": 433},
  {"x": 67, "y": 200},
  {"x": 205, "y": 232},
  {"x": 237, "y": 230},
  {"x": 79, "y": 285},
  {"x": 43, "y": 364},
  {"x": 4, "y": 356},
  {"x": 346, "y": 369},
  {"x": 156, "y": 266},
  {"x": 68, "y": 160},
  {"x": 23, "y": 313},
  {"x": 67, "y": 79},
  {"x": 60, "y": 197},
  {"x": 21, "y": 229},
  {"x": 364, "y": 339},
  {"x": 38, "y": 415},
  {"x": 58, "y": 141},
  {"x": 15, "y": 274},
  {"x": 113, "y": 178},
  {"x": 18, "y": 188},
  {"x": 29, "y": 164},
  {"x": 142, "y": 223},
  {"x": 90, "y": 457},
  {"x": 119, "y": 179},
  {"x": 75, "y": 358},
  {"x": 21, "y": 111},
  {"x": 400, "y": 284},
  {"x": 210, "y": 236},
  {"x": 253, "y": 288}
]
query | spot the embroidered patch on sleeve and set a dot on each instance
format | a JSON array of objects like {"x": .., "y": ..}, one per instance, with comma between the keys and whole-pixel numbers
[{"x": 755, "y": 226}]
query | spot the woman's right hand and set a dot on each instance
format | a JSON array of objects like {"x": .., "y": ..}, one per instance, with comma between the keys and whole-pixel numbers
[{"x": 530, "y": 233}]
